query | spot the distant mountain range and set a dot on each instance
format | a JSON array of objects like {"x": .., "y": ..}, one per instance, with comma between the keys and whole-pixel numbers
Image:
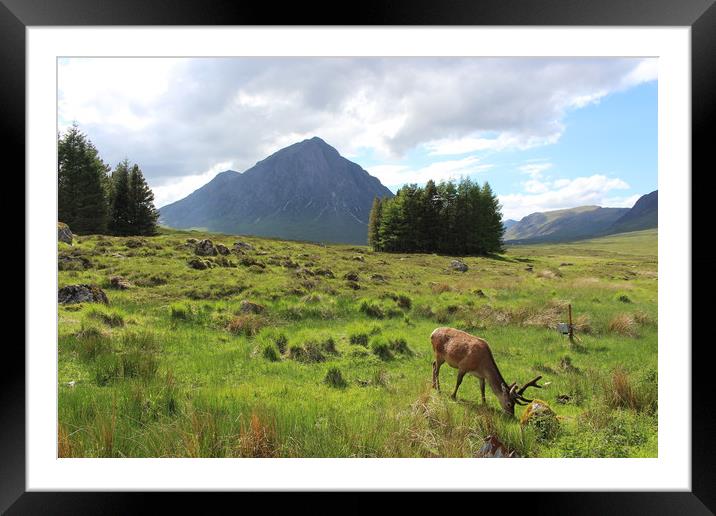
[
  {"x": 584, "y": 222},
  {"x": 643, "y": 215},
  {"x": 306, "y": 191},
  {"x": 507, "y": 224}
]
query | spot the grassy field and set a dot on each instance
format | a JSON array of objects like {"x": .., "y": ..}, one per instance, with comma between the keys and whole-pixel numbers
[{"x": 331, "y": 367}]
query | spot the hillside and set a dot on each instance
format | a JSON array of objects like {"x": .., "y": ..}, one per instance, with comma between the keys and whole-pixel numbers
[
  {"x": 564, "y": 225},
  {"x": 644, "y": 215},
  {"x": 306, "y": 191},
  {"x": 292, "y": 349}
]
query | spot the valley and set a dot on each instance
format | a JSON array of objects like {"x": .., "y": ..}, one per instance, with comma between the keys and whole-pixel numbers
[{"x": 293, "y": 349}]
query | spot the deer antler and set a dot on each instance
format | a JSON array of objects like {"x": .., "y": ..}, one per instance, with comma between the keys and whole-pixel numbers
[{"x": 531, "y": 383}]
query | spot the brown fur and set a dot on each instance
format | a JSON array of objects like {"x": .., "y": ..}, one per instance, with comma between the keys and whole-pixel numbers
[
  {"x": 463, "y": 351},
  {"x": 469, "y": 355}
]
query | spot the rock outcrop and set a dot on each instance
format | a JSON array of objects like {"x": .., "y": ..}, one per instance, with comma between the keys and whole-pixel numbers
[
  {"x": 83, "y": 293},
  {"x": 64, "y": 234}
]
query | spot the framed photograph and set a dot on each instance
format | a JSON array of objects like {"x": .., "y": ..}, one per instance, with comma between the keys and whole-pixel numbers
[{"x": 365, "y": 255}]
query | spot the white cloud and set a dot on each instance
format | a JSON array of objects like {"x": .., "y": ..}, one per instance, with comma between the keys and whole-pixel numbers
[
  {"x": 181, "y": 117},
  {"x": 398, "y": 175},
  {"x": 174, "y": 188},
  {"x": 535, "y": 170},
  {"x": 503, "y": 141},
  {"x": 646, "y": 70},
  {"x": 118, "y": 92},
  {"x": 560, "y": 194},
  {"x": 535, "y": 186},
  {"x": 622, "y": 202}
]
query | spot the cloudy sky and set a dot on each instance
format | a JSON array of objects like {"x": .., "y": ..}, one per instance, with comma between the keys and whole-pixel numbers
[{"x": 546, "y": 133}]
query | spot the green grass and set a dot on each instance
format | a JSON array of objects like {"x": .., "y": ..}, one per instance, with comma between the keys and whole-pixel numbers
[{"x": 174, "y": 368}]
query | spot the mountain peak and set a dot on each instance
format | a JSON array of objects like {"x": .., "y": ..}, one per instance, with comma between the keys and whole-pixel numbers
[
  {"x": 315, "y": 142},
  {"x": 306, "y": 191}
]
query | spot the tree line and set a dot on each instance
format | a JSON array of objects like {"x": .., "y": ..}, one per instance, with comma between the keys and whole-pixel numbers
[
  {"x": 461, "y": 218},
  {"x": 94, "y": 199}
]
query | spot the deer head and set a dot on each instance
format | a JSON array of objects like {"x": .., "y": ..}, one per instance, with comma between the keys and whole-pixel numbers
[{"x": 512, "y": 394}]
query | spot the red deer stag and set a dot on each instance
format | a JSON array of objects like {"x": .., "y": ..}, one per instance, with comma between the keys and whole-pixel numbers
[{"x": 470, "y": 354}]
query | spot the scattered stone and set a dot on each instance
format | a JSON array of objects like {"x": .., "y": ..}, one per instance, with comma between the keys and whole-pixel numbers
[
  {"x": 565, "y": 264},
  {"x": 304, "y": 272},
  {"x": 199, "y": 264},
  {"x": 539, "y": 414},
  {"x": 63, "y": 233},
  {"x": 242, "y": 246},
  {"x": 222, "y": 249},
  {"x": 529, "y": 268},
  {"x": 290, "y": 264},
  {"x": 119, "y": 283},
  {"x": 223, "y": 261},
  {"x": 480, "y": 293},
  {"x": 133, "y": 243},
  {"x": 379, "y": 278},
  {"x": 353, "y": 285},
  {"x": 73, "y": 263},
  {"x": 247, "y": 261},
  {"x": 81, "y": 294},
  {"x": 327, "y": 273},
  {"x": 206, "y": 248},
  {"x": 192, "y": 241},
  {"x": 459, "y": 266},
  {"x": 493, "y": 448},
  {"x": 247, "y": 307},
  {"x": 351, "y": 276},
  {"x": 359, "y": 258},
  {"x": 563, "y": 398}
]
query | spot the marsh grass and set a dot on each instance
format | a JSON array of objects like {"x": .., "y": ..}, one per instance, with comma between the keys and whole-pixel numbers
[{"x": 172, "y": 368}]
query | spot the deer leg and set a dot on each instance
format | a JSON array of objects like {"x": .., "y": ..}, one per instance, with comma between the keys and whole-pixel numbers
[
  {"x": 460, "y": 374},
  {"x": 482, "y": 389},
  {"x": 436, "y": 374}
]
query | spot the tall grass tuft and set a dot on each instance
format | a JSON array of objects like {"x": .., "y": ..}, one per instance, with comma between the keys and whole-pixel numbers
[
  {"x": 381, "y": 349},
  {"x": 624, "y": 324},
  {"x": 111, "y": 317},
  {"x": 359, "y": 339},
  {"x": 258, "y": 437},
  {"x": 64, "y": 444},
  {"x": 334, "y": 378},
  {"x": 270, "y": 353},
  {"x": 621, "y": 391},
  {"x": 246, "y": 324}
]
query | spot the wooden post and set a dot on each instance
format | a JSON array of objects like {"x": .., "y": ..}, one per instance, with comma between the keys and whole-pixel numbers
[{"x": 571, "y": 328}]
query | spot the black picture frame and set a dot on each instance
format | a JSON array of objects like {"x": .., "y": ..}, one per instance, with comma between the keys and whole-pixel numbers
[{"x": 699, "y": 15}]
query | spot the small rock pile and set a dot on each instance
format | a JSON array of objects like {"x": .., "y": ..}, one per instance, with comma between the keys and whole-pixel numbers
[{"x": 83, "y": 293}]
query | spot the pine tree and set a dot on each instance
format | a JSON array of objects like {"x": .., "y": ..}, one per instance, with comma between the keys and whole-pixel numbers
[
  {"x": 374, "y": 222},
  {"x": 449, "y": 218},
  {"x": 430, "y": 219},
  {"x": 393, "y": 225},
  {"x": 494, "y": 229},
  {"x": 120, "y": 212},
  {"x": 141, "y": 201},
  {"x": 82, "y": 183},
  {"x": 446, "y": 239}
]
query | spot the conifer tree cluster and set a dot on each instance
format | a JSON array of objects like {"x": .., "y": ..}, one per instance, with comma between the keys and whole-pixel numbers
[
  {"x": 91, "y": 200},
  {"x": 461, "y": 218}
]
